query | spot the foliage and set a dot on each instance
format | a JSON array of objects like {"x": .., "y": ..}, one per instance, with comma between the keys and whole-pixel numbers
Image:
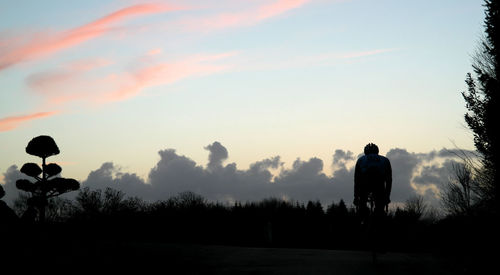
[
  {"x": 46, "y": 185},
  {"x": 95, "y": 204},
  {"x": 42, "y": 146},
  {"x": 459, "y": 194},
  {"x": 106, "y": 215},
  {"x": 483, "y": 96},
  {"x": 57, "y": 210},
  {"x": 415, "y": 207}
]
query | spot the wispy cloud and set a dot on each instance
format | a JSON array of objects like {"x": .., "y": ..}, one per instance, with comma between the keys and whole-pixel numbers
[
  {"x": 155, "y": 51},
  {"x": 292, "y": 60},
  {"x": 249, "y": 17},
  {"x": 44, "y": 44},
  {"x": 94, "y": 81},
  {"x": 130, "y": 84},
  {"x": 12, "y": 122},
  {"x": 278, "y": 8},
  {"x": 73, "y": 82},
  {"x": 50, "y": 82}
]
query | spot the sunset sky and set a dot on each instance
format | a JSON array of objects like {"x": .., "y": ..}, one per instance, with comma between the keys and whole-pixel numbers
[{"x": 118, "y": 81}]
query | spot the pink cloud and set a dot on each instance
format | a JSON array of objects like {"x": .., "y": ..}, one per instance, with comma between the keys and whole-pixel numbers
[
  {"x": 88, "y": 64},
  {"x": 245, "y": 18},
  {"x": 74, "y": 83},
  {"x": 46, "y": 44},
  {"x": 155, "y": 51},
  {"x": 133, "y": 83},
  {"x": 12, "y": 122},
  {"x": 278, "y": 8},
  {"x": 56, "y": 81}
]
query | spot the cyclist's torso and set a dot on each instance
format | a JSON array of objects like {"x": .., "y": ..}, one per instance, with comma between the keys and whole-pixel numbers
[{"x": 372, "y": 171}]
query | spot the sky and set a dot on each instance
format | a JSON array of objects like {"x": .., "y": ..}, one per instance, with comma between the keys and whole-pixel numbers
[{"x": 138, "y": 92}]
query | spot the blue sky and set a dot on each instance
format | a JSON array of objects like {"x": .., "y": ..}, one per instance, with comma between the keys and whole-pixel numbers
[{"x": 293, "y": 78}]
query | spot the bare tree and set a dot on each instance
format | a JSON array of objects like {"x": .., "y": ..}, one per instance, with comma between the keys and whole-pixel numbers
[
  {"x": 462, "y": 191},
  {"x": 415, "y": 206}
]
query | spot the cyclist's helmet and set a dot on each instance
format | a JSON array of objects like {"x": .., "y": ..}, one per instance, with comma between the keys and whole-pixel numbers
[{"x": 371, "y": 148}]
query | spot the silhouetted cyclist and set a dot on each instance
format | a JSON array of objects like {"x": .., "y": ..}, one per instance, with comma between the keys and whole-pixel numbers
[
  {"x": 372, "y": 177},
  {"x": 373, "y": 183},
  {"x": 8, "y": 217}
]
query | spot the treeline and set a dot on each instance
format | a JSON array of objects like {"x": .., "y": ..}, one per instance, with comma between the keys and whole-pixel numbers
[{"x": 109, "y": 216}]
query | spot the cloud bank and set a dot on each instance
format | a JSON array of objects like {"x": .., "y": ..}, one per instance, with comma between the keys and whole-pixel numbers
[{"x": 413, "y": 173}]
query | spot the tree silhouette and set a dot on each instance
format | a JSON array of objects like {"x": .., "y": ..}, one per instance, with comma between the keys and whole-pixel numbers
[
  {"x": 46, "y": 184},
  {"x": 483, "y": 96},
  {"x": 415, "y": 207},
  {"x": 462, "y": 192}
]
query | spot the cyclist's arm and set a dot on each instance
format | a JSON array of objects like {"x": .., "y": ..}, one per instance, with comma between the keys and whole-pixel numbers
[
  {"x": 388, "y": 180},
  {"x": 357, "y": 178}
]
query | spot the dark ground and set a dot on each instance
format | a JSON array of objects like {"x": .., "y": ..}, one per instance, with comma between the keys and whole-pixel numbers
[
  {"x": 244, "y": 260},
  {"x": 155, "y": 258}
]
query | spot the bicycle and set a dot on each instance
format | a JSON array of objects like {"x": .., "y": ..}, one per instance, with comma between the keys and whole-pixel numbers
[{"x": 371, "y": 226}]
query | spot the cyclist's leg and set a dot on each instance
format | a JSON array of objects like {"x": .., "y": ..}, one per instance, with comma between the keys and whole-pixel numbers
[
  {"x": 379, "y": 210},
  {"x": 363, "y": 213},
  {"x": 380, "y": 225},
  {"x": 363, "y": 209}
]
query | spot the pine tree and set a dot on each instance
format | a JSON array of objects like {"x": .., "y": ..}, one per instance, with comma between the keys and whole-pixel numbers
[{"x": 482, "y": 97}]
